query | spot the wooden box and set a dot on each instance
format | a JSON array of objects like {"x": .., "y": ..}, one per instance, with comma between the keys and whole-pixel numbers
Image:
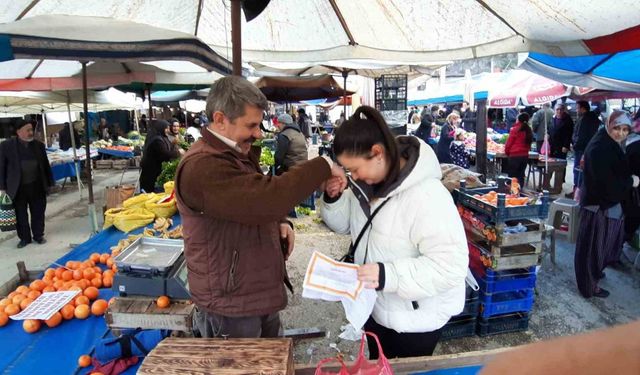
[
  {"x": 121, "y": 164},
  {"x": 222, "y": 357},
  {"x": 104, "y": 164},
  {"x": 142, "y": 312}
]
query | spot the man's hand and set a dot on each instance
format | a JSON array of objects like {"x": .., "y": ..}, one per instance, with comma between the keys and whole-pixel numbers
[
  {"x": 334, "y": 186},
  {"x": 287, "y": 235},
  {"x": 369, "y": 274},
  {"x": 565, "y": 150}
]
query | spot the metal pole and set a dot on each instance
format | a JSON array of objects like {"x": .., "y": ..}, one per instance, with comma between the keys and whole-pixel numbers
[
  {"x": 44, "y": 127},
  {"x": 236, "y": 37},
  {"x": 87, "y": 141},
  {"x": 345, "y": 74},
  {"x": 73, "y": 145},
  {"x": 150, "y": 105},
  {"x": 481, "y": 139}
]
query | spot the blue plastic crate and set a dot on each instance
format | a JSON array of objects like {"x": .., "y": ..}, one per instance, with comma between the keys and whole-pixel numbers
[
  {"x": 310, "y": 202},
  {"x": 504, "y": 303},
  {"x": 491, "y": 281},
  {"x": 459, "y": 327},
  {"x": 503, "y": 324},
  {"x": 467, "y": 370}
]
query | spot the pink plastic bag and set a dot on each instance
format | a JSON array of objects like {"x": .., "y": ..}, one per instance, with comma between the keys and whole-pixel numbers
[
  {"x": 361, "y": 366},
  {"x": 544, "y": 150}
]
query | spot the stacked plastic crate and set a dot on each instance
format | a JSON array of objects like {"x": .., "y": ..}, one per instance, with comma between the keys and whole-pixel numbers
[{"x": 505, "y": 243}]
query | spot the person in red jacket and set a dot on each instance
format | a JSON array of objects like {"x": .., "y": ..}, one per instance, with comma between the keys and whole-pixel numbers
[{"x": 518, "y": 146}]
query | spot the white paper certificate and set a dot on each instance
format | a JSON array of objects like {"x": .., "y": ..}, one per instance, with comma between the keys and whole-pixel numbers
[
  {"x": 328, "y": 276},
  {"x": 46, "y": 305}
]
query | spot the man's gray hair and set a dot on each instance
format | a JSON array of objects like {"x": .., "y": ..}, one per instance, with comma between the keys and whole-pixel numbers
[{"x": 230, "y": 94}]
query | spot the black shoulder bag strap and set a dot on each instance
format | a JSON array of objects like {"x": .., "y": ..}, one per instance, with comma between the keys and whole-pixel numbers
[{"x": 349, "y": 256}]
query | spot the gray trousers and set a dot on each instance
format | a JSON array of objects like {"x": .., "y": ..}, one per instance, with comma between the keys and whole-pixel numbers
[{"x": 214, "y": 325}]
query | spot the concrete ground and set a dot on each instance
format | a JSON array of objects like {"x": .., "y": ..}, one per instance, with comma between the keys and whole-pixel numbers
[{"x": 559, "y": 310}]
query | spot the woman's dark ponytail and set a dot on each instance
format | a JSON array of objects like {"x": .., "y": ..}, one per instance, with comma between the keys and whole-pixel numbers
[
  {"x": 523, "y": 119},
  {"x": 364, "y": 129}
]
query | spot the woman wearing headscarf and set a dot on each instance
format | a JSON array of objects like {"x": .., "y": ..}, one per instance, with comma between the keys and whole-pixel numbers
[
  {"x": 158, "y": 149},
  {"x": 606, "y": 184}
]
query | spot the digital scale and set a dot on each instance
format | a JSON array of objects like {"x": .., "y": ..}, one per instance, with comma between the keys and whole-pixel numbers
[{"x": 152, "y": 267}]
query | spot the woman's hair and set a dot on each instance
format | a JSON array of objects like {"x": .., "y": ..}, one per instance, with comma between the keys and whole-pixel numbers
[
  {"x": 523, "y": 119},
  {"x": 451, "y": 116},
  {"x": 159, "y": 126},
  {"x": 366, "y": 128}
]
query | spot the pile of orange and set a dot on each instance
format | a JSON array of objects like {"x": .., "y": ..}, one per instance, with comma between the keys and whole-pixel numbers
[
  {"x": 510, "y": 200},
  {"x": 86, "y": 277}
]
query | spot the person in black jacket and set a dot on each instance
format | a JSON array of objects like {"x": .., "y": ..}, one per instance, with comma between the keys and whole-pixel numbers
[
  {"x": 446, "y": 137},
  {"x": 157, "y": 150},
  {"x": 25, "y": 175},
  {"x": 606, "y": 183},
  {"x": 65, "y": 137},
  {"x": 631, "y": 206},
  {"x": 560, "y": 133},
  {"x": 586, "y": 127},
  {"x": 468, "y": 117},
  {"x": 424, "y": 130}
]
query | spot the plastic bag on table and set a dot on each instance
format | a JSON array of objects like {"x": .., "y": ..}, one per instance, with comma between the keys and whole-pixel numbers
[
  {"x": 133, "y": 218},
  {"x": 362, "y": 366},
  {"x": 139, "y": 200},
  {"x": 164, "y": 206}
]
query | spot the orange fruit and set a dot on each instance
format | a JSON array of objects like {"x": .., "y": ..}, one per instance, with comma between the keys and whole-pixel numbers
[
  {"x": 31, "y": 325},
  {"x": 114, "y": 268},
  {"x": 163, "y": 301},
  {"x": 98, "y": 270},
  {"x": 96, "y": 373},
  {"x": 104, "y": 257},
  {"x": 67, "y": 312},
  {"x": 107, "y": 273},
  {"x": 69, "y": 264},
  {"x": 37, "y": 285},
  {"x": 34, "y": 294},
  {"x": 84, "y": 361},
  {"x": 50, "y": 272},
  {"x": 81, "y": 311},
  {"x": 112, "y": 300},
  {"x": 99, "y": 307},
  {"x": 4, "y": 319},
  {"x": 75, "y": 287},
  {"x": 77, "y": 275},
  {"x": 67, "y": 275},
  {"x": 95, "y": 257},
  {"x": 4, "y": 303},
  {"x": 25, "y": 302},
  {"x": 58, "y": 284},
  {"x": 96, "y": 282},
  {"x": 55, "y": 320},
  {"x": 17, "y": 299},
  {"x": 88, "y": 273},
  {"x": 82, "y": 300},
  {"x": 91, "y": 292},
  {"x": 48, "y": 280},
  {"x": 59, "y": 272},
  {"x": 22, "y": 289},
  {"x": 107, "y": 282},
  {"x": 12, "y": 309},
  {"x": 12, "y": 294},
  {"x": 109, "y": 262},
  {"x": 49, "y": 288}
]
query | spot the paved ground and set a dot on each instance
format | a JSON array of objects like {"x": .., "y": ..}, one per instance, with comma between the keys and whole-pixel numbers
[{"x": 559, "y": 309}]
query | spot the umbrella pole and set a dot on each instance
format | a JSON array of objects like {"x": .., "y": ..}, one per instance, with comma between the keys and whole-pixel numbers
[
  {"x": 44, "y": 127},
  {"x": 73, "y": 145},
  {"x": 92, "y": 207},
  {"x": 345, "y": 74},
  {"x": 236, "y": 37},
  {"x": 150, "y": 105}
]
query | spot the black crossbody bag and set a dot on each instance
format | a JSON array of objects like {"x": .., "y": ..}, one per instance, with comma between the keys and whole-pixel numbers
[{"x": 349, "y": 256}]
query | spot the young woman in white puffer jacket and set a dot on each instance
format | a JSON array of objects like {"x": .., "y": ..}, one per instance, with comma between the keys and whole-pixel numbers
[{"x": 414, "y": 253}]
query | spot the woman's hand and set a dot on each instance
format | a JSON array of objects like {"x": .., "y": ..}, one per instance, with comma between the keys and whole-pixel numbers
[
  {"x": 335, "y": 186},
  {"x": 369, "y": 274}
]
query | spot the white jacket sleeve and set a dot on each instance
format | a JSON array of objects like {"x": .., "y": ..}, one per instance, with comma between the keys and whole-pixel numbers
[
  {"x": 438, "y": 233},
  {"x": 337, "y": 214}
]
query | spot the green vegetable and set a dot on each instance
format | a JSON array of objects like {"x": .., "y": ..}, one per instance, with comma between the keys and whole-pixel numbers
[
  {"x": 303, "y": 210},
  {"x": 266, "y": 157},
  {"x": 184, "y": 145},
  {"x": 168, "y": 172}
]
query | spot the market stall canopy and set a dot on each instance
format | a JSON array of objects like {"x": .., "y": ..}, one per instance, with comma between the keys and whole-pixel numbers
[
  {"x": 409, "y": 31},
  {"x": 32, "y": 102},
  {"x": 526, "y": 88},
  {"x": 608, "y": 71},
  {"x": 73, "y": 38},
  {"x": 294, "y": 89}
]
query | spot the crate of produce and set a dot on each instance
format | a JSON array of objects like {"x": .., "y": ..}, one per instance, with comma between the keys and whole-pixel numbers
[
  {"x": 501, "y": 207},
  {"x": 504, "y": 303},
  {"x": 491, "y": 281},
  {"x": 503, "y": 324},
  {"x": 512, "y": 232},
  {"x": 458, "y": 327},
  {"x": 104, "y": 164},
  {"x": 143, "y": 312},
  {"x": 519, "y": 256}
]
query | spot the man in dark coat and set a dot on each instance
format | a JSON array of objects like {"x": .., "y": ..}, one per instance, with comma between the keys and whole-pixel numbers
[
  {"x": 468, "y": 117},
  {"x": 291, "y": 145},
  {"x": 561, "y": 133},
  {"x": 65, "y": 137},
  {"x": 25, "y": 175},
  {"x": 586, "y": 127}
]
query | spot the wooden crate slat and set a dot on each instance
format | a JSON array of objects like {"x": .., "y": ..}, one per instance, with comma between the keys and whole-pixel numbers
[{"x": 142, "y": 312}]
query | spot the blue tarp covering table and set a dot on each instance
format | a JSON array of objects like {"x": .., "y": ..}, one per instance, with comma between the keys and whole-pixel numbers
[
  {"x": 65, "y": 170},
  {"x": 116, "y": 153},
  {"x": 56, "y": 350}
]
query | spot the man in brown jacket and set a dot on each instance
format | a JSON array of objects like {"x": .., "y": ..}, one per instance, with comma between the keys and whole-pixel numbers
[{"x": 236, "y": 238}]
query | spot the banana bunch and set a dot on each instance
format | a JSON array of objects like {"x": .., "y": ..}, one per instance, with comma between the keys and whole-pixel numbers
[{"x": 162, "y": 224}]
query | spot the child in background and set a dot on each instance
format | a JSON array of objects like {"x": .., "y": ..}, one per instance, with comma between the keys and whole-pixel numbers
[{"x": 459, "y": 153}]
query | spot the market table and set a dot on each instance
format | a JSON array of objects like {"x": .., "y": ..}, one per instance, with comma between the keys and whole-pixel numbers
[
  {"x": 116, "y": 153},
  {"x": 56, "y": 350},
  {"x": 62, "y": 171}
]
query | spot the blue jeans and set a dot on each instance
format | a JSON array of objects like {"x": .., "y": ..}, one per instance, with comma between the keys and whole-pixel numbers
[{"x": 577, "y": 172}]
